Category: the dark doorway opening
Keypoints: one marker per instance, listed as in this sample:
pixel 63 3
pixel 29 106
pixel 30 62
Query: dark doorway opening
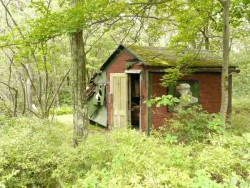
pixel 135 100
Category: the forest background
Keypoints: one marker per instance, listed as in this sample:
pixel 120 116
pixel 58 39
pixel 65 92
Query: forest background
pixel 45 44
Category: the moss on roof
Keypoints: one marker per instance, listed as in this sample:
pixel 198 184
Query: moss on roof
pixel 159 56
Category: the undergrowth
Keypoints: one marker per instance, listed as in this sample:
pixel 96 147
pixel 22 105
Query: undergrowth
pixel 38 153
pixel 191 124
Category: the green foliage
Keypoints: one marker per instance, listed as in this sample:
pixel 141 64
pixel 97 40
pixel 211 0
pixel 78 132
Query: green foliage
pixel 164 100
pixel 30 150
pixel 200 12
pixel 5 110
pixel 241 84
pixel 199 20
pixel 180 70
pixel 203 179
pixel 126 159
pixel 172 76
pixel 64 110
pixel 239 117
pixel 167 100
pixel 64 96
pixel 35 153
pixel 192 124
pixel 69 19
pixel 169 138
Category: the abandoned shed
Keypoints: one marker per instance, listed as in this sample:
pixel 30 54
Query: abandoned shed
pixel 132 74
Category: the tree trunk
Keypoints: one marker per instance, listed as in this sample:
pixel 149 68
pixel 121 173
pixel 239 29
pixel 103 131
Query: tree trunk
pixel 13 98
pixel 225 64
pixel 24 94
pixel 55 86
pixel 207 43
pixel 29 89
pixel 80 118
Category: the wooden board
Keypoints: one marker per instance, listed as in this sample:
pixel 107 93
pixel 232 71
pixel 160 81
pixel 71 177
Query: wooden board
pixel 119 91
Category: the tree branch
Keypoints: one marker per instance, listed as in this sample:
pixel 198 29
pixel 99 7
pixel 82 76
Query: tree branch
pixel 15 23
pixel 14 89
pixel 99 38
pixel 150 3
pixel 49 3
pixel 32 83
pixel 58 89
pixel 6 16
pixel 36 114
pixel 222 2
pixel 149 17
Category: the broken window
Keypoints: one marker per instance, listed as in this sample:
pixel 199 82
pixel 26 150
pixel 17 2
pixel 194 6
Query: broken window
pixel 99 94
pixel 186 89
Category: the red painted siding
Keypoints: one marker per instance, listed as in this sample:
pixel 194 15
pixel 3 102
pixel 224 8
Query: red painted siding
pixel 157 114
pixel 119 67
pixel 209 94
pixel 209 90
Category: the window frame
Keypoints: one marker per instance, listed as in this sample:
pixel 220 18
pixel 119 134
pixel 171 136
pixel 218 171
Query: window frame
pixel 194 88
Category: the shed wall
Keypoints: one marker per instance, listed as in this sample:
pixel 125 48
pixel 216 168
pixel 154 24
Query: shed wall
pixel 209 94
pixel 119 66
pixel 209 90
pixel 98 112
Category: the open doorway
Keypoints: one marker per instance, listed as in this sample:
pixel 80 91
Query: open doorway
pixel 134 102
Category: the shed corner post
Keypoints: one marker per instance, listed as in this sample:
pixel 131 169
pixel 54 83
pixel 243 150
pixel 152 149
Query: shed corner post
pixel 148 89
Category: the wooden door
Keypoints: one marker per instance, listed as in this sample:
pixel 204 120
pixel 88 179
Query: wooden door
pixel 119 91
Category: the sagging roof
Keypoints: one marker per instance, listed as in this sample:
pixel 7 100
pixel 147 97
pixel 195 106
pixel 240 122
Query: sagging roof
pixel 165 57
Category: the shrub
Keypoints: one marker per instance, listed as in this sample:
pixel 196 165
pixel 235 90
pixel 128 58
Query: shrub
pixel 240 123
pixel 30 150
pixel 241 104
pixel 38 153
pixel 226 160
pixel 5 113
pixel 5 109
pixel 191 124
pixel 64 110
pixel 65 97
pixel 125 159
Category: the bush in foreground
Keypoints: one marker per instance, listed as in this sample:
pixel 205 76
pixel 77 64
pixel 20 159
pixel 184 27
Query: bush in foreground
pixel 30 150
pixel 35 153
pixel 191 124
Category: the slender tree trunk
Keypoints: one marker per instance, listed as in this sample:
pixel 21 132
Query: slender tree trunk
pixel 14 114
pixel 207 43
pixel 24 94
pixel 28 87
pixel 46 89
pixel 80 118
pixel 13 98
pixel 55 85
pixel 225 64
pixel 15 95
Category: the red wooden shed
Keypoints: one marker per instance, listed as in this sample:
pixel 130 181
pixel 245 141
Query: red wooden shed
pixel 132 74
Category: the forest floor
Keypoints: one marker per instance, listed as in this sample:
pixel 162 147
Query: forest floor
pixel 241 105
pixel 68 119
